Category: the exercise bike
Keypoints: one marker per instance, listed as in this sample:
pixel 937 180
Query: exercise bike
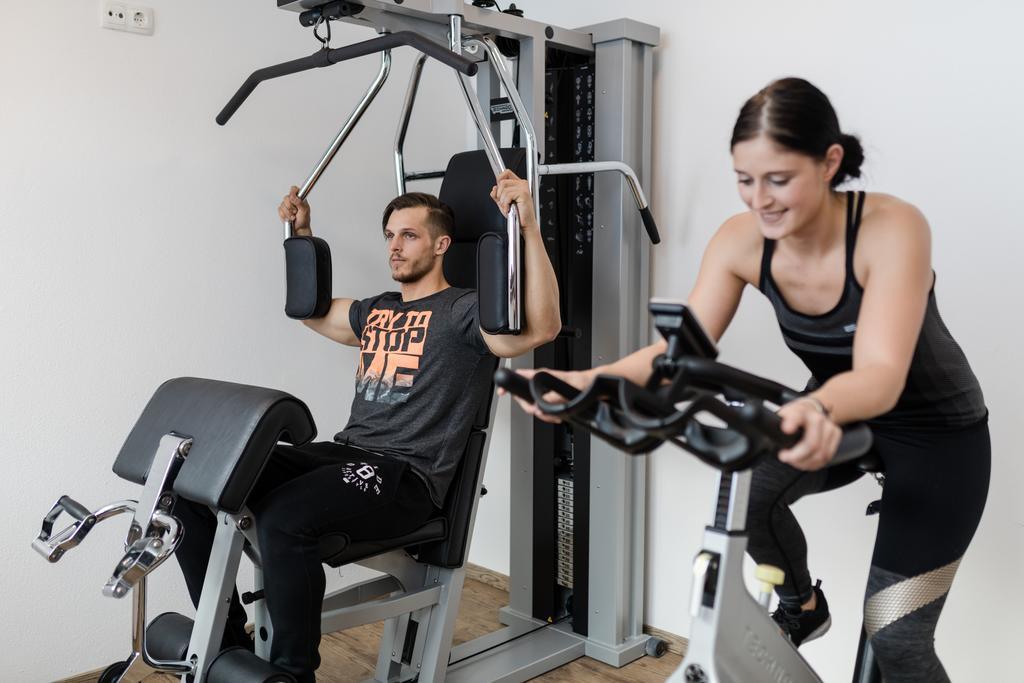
pixel 723 416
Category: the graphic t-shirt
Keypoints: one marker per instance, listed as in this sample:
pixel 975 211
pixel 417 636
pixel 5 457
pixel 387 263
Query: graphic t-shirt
pixel 424 370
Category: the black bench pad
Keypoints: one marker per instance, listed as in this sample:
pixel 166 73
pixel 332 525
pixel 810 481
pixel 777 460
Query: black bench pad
pixel 234 428
pixel 337 550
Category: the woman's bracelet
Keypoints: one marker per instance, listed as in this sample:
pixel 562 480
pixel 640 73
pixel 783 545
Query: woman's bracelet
pixel 818 404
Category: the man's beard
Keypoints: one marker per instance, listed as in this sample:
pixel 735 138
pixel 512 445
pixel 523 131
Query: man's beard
pixel 417 270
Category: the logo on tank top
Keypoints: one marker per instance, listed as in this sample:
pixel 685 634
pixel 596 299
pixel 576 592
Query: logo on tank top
pixel 392 346
pixel 362 476
pixel 852 327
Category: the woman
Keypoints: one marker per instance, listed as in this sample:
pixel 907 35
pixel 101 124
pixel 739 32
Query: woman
pixel 849 276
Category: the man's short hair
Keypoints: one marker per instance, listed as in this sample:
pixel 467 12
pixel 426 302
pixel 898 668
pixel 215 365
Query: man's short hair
pixel 440 217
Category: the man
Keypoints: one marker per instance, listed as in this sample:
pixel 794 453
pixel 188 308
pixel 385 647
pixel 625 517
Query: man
pixel 424 367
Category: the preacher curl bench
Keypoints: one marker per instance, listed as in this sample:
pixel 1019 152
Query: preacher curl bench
pixel 208 441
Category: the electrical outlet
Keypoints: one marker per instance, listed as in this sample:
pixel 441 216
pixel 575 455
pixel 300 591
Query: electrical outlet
pixel 115 15
pixel 140 20
pixel 131 18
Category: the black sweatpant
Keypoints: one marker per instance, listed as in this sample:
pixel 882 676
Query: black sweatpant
pixel 302 495
pixel 936 484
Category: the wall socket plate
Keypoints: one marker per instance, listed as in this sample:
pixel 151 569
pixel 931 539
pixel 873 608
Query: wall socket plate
pixel 122 16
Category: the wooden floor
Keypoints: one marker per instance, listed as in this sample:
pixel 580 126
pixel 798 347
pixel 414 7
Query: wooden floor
pixel 351 656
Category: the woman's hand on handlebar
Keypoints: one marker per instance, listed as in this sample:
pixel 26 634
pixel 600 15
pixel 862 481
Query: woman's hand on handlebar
pixel 296 210
pixel 820 440
pixel 581 380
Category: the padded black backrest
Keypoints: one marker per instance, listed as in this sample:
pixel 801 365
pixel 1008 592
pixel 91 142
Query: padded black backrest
pixel 462 495
pixel 234 428
pixel 466 188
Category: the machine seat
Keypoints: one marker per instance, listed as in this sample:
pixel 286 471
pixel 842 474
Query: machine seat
pixel 337 550
pixel 871 463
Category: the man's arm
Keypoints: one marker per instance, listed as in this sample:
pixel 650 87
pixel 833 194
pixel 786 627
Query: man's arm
pixel 335 325
pixel 543 320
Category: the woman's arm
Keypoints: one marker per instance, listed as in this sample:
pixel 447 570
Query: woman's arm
pixel 714 298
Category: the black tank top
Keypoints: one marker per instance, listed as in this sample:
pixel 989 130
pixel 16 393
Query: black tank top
pixel 941 391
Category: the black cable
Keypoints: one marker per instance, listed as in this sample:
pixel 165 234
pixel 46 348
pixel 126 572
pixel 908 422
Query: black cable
pixel 510 640
pixel 515 125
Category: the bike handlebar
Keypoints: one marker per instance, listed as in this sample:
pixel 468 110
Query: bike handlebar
pixel 637 420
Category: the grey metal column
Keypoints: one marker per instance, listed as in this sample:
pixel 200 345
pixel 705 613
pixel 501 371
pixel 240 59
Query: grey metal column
pixel 624 68
pixel 521 560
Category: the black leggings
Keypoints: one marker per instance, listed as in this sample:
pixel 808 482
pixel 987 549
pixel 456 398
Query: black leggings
pixel 302 495
pixel 936 484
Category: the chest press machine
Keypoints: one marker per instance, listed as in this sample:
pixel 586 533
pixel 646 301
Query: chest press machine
pixel 573 592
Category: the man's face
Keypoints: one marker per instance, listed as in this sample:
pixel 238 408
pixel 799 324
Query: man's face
pixel 411 248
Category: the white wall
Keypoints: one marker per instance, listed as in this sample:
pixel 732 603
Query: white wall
pixel 139 241
pixel 934 91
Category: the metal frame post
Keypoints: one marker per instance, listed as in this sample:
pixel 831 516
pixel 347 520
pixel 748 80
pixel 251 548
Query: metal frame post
pixel 624 69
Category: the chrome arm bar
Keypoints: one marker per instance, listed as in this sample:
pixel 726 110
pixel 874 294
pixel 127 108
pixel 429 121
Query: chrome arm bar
pixel 490 146
pixel 53 547
pixel 364 103
pixel 403 121
pixel 514 272
pixel 597 167
pixel 627 172
pixel 518 108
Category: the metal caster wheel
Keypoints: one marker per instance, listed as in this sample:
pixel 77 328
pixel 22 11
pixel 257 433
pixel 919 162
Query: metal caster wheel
pixel 656 647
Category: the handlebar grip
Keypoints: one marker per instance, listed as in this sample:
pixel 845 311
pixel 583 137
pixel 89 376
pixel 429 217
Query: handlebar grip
pixel 431 49
pixel 514 383
pixel 74 508
pixel 313 61
pixel 771 424
pixel 328 57
pixel 855 442
pixel 551 383
pixel 652 228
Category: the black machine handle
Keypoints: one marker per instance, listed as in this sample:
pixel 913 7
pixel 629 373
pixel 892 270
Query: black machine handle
pixel 323 58
pixel 74 508
pixel 652 228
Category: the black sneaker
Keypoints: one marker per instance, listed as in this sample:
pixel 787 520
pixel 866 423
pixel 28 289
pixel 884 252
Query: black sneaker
pixel 803 626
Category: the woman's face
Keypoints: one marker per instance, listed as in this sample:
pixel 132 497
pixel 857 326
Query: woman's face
pixel 784 189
